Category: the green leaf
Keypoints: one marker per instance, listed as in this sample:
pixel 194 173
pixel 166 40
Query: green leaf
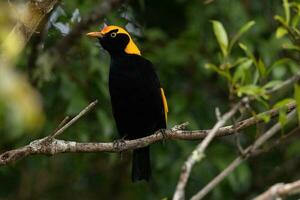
pixel 221 36
pixel 283 103
pixel 280 32
pixel 282 117
pixel 278 63
pixel 218 70
pixel 239 61
pixel 297 98
pixel 261 68
pixel 243 46
pixel 272 84
pixel 240 72
pixel 282 106
pixel 287 12
pixel 252 90
pixel 281 20
pixel 295 20
pixel 290 46
pixel 239 34
pixel 248 53
pixel 265 117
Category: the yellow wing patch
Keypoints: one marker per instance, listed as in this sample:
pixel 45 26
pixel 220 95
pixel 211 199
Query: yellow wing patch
pixel 165 103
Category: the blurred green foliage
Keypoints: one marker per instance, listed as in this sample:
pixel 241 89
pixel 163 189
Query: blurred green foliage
pixel 206 54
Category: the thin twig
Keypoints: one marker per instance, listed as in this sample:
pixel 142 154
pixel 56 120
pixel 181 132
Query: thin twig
pixel 198 154
pixel 61 124
pixel 291 136
pixel 76 118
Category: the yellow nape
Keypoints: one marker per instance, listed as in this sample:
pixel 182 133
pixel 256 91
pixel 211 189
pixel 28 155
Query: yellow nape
pixel 131 47
pixel 165 103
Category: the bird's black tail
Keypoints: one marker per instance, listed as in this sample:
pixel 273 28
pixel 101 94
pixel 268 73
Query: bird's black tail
pixel 141 168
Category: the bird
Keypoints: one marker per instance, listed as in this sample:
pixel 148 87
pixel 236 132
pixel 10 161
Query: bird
pixel 139 104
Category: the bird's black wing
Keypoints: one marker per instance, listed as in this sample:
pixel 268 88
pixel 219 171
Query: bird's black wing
pixel 136 97
pixel 152 85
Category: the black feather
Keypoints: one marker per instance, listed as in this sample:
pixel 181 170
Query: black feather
pixel 141 168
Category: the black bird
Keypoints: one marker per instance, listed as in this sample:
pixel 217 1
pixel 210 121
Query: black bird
pixel 138 102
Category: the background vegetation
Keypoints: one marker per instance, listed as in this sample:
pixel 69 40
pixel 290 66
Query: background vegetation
pixel 199 71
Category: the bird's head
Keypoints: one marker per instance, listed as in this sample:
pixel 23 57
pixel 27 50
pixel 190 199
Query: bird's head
pixel 115 40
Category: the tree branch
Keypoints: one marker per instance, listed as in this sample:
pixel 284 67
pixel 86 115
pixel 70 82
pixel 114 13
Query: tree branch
pixel 280 190
pixel 51 146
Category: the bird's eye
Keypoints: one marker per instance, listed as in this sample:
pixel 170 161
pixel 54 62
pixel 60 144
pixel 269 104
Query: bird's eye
pixel 113 34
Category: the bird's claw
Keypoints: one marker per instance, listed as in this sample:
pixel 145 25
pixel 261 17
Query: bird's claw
pixel 163 132
pixel 119 143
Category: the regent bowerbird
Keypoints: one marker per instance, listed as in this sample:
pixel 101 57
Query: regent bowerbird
pixel 139 105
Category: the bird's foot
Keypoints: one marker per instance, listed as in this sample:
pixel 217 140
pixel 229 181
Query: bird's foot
pixel 119 143
pixel 163 132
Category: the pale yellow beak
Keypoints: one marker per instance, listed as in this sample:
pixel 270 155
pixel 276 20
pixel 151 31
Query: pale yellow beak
pixel 95 34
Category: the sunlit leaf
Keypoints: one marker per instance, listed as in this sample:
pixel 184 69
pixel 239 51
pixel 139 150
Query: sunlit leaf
pixel 272 84
pixel 265 117
pixel 287 12
pixel 244 47
pixel 280 20
pixel 280 32
pixel 252 90
pixel 243 30
pixel 240 72
pixel 283 102
pixel 221 36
